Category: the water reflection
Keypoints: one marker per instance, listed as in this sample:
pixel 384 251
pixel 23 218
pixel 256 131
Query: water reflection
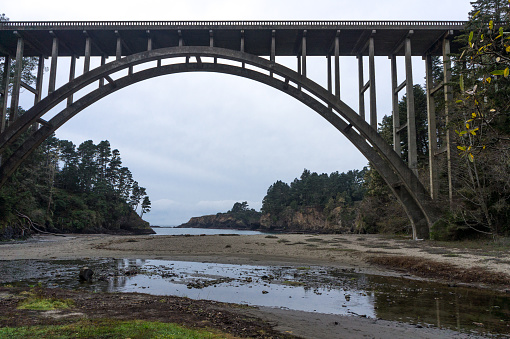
pixel 313 289
pixel 456 308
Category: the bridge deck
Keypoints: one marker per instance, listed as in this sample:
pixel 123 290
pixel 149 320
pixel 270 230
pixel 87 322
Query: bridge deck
pixel 320 36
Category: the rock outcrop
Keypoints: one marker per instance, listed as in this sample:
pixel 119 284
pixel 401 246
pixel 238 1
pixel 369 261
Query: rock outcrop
pixel 221 221
pixel 306 220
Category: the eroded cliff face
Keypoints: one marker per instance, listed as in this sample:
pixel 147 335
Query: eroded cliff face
pixel 309 220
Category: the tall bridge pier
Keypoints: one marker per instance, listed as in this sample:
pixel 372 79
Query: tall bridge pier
pixel 243 48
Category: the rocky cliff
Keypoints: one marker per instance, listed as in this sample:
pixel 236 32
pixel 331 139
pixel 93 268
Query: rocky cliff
pixel 310 220
pixel 221 220
pixel 307 220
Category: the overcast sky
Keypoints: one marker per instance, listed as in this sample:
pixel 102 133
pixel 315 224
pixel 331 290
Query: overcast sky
pixel 200 142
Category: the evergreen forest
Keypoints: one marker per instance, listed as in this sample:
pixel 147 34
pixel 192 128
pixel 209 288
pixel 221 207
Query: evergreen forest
pixel 62 188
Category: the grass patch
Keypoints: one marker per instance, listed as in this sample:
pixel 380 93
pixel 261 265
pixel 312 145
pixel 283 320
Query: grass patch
pixel 45 304
pixel 107 328
pixel 37 302
pixel 302 268
pixel 433 269
pixel 271 236
pixel 451 255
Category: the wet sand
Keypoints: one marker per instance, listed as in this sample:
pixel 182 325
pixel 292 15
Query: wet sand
pixel 328 250
pixel 344 251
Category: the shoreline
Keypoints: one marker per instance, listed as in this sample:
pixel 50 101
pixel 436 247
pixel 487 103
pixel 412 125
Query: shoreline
pixel 334 250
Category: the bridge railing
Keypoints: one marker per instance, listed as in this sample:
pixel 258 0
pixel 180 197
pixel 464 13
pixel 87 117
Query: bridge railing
pixel 141 24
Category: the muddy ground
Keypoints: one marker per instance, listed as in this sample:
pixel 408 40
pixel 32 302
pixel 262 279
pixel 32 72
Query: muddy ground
pixel 238 321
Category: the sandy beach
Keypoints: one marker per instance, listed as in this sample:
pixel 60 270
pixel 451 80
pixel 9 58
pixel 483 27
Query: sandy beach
pixel 330 250
pixel 342 251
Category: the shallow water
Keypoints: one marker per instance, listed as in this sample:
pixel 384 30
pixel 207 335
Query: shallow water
pixel 312 289
pixel 198 231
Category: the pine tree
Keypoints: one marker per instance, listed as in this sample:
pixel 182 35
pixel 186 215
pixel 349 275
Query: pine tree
pixel 487 10
pixel 146 206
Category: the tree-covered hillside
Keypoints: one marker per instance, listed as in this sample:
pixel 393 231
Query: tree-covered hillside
pixel 64 188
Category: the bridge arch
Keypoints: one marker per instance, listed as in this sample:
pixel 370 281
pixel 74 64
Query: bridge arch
pixel 404 184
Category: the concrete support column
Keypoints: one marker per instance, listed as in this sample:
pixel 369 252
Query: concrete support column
pixel 242 46
pixel 330 81
pixel 394 104
pixel 103 61
pixel 5 95
pixel 86 63
pixel 432 130
pixel 371 71
pixel 16 85
pixel 411 114
pixel 118 49
pixel 5 92
pixel 299 68
pixel 53 66
pixel 448 96
pixel 211 43
pixel 337 64
pixel 38 86
pixel 72 72
pixel 149 40
pixel 273 48
pixel 303 52
pixel 39 80
pixel 361 85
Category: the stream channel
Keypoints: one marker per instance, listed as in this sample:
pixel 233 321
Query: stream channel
pixel 311 289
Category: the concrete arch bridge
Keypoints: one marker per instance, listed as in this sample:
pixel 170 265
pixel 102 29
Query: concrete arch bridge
pixel 247 49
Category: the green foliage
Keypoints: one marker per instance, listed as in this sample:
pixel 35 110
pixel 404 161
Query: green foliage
pixel 452 228
pixel 39 303
pixel 481 120
pixel 328 194
pixel 146 206
pixel 72 189
pixel 241 211
pixel 314 190
pixel 109 328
